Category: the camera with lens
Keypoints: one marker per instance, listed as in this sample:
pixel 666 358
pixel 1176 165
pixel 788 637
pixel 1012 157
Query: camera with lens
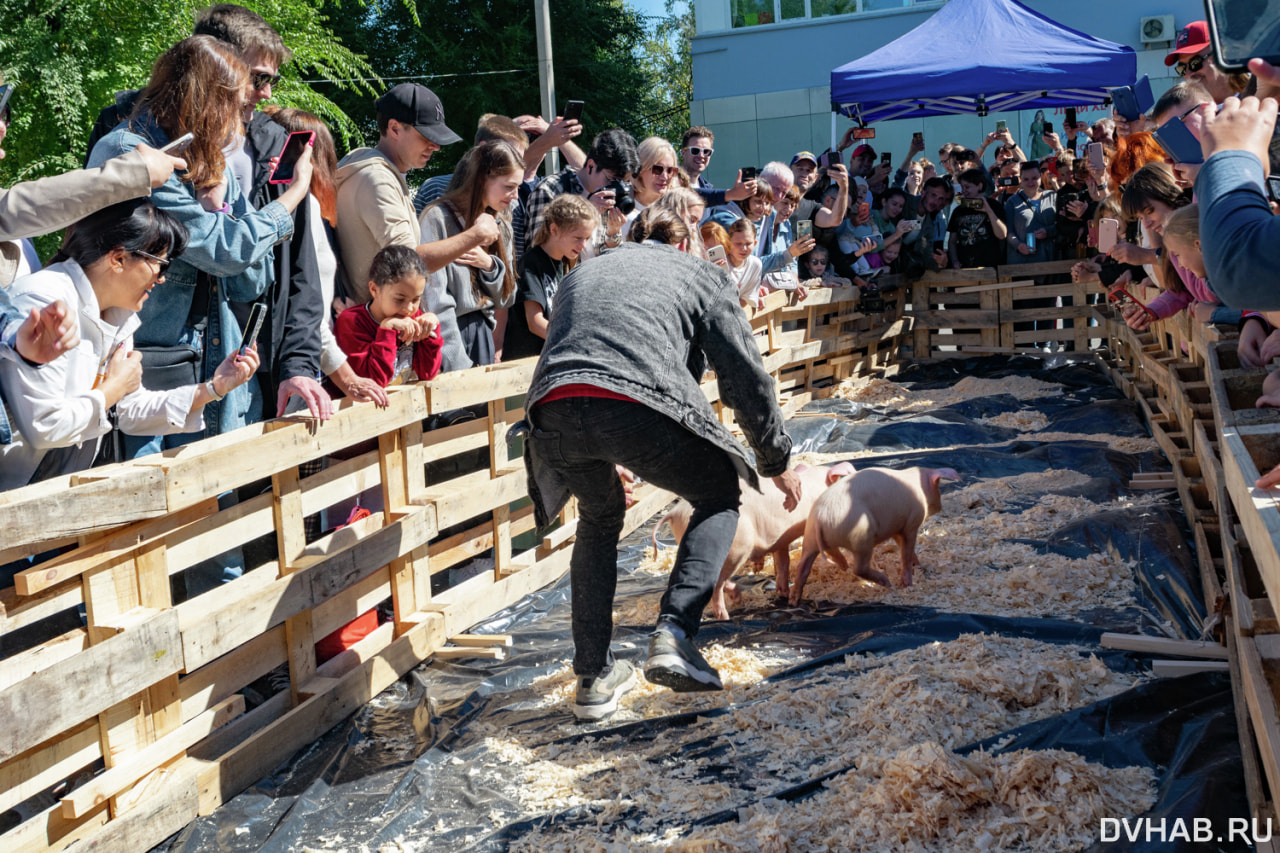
pixel 622 197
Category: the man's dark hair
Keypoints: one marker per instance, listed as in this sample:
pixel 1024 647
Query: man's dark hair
pixel 937 183
pixel 1184 92
pixel 977 177
pixel 967 155
pixel 1029 165
pixel 243 29
pixel 394 263
pixel 615 150
pixel 694 132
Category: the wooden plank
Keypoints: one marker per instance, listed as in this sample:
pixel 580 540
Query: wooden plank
pixel 113 545
pixel 460 388
pixel 1262 708
pixel 221 678
pixel 109 783
pixel 219 532
pixel 41 767
pixel 1179 668
pixel 43 656
pixel 208 468
pixel 481 640
pixel 19 612
pixel 1164 646
pixel 78 505
pixel 464 652
pixel 1257 509
pixel 65 694
pixel 475 494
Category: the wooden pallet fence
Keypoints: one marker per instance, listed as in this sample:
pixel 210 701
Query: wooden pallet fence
pixel 175 691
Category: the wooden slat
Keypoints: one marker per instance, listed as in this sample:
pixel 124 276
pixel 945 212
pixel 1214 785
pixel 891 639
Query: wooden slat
pixel 84 799
pixel 80 504
pixel 65 694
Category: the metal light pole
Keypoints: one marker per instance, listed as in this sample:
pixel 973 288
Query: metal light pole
pixel 546 73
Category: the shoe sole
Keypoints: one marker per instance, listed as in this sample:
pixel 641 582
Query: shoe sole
pixel 671 670
pixel 591 713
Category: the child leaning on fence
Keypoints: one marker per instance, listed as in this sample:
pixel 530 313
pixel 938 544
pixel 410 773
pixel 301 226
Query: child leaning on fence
pixel 389 338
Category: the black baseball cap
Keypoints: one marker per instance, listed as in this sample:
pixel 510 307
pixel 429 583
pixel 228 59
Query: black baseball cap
pixel 415 104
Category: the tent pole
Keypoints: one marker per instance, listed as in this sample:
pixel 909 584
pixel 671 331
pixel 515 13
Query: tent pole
pixel 834 141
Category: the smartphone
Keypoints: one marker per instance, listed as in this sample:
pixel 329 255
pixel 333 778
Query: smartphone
pixel 1097 158
pixel 1031 240
pixel 749 173
pixel 864 209
pixel 717 253
pixel 1048 128
pixel 804 229
pixel 1179 143
pixel 179 145
pixel 6 92
pixel 827 159
pixel 1071 117
pixel 864 133
pixel 1007 182
pixel 1002 126
pixel 1240 30
pixel 918 136
pixel 1108 232
pixel 913 224
pixel 253 325
pixel 1273 188
pixel 289 154
pixel 1132 101
pixel 886 158
pixel 573 110
pixel 971 203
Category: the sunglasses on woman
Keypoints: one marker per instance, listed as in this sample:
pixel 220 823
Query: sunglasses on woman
pixel 1192 65
pixel 658 170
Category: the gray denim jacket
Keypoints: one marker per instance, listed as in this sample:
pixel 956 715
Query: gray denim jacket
pixel 644 321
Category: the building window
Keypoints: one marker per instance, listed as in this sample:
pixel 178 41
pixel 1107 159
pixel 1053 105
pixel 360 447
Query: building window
pixel 751 13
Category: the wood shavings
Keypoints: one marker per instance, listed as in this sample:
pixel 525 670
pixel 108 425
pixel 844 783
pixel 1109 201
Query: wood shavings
pixel 867 711
pixel 1028 420
pixel 885 394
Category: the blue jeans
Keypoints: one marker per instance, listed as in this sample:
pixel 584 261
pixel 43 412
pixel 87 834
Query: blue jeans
pixel 583 438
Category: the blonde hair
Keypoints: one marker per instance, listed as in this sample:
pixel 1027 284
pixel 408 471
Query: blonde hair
pixel 1182 225
pixel 564 212
pixel 650 151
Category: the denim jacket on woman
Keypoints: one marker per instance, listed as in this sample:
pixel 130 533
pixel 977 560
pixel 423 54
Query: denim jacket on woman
pixel 234 248
pixel 644 321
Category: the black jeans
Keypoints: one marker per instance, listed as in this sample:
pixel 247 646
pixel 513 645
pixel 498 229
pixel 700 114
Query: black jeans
pixel 583 438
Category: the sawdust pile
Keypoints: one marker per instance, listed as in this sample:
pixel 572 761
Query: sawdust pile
pixel 895 717
pixel 1122 443
pixel 1027 420
pixel 890 395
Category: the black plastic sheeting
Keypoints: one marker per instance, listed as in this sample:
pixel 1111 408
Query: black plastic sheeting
pixel 412 764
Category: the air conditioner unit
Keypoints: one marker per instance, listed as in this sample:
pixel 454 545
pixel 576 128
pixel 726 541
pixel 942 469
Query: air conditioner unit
pixel 1157 28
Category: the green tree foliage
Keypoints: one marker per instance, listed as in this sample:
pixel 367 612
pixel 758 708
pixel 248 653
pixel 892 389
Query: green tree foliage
pixel 69 58
pixel 667 60
pixel 480 56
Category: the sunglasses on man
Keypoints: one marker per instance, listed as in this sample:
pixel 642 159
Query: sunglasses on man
pixel 263 79
pixel 1192 65
pixel 700 152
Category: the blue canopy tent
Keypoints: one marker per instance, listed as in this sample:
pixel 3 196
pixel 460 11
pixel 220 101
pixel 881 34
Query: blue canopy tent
pixel 980 56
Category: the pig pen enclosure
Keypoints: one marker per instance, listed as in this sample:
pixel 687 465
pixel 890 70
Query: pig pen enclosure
pixel 1086 639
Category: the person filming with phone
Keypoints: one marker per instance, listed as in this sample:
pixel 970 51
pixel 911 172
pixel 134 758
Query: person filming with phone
pixel 105 273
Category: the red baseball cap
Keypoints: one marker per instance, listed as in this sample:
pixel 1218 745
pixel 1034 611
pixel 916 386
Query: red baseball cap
pixel 1192 39
pixel 862 150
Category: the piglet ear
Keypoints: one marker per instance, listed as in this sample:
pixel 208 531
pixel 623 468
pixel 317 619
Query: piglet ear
pixel 942 474
pixel 837 471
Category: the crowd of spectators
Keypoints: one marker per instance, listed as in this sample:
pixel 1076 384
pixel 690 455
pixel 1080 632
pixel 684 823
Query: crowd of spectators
pixel 134 330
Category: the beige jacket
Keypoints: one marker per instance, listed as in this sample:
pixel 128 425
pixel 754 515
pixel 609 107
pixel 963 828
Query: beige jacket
pixel 374 210
pixel 49 204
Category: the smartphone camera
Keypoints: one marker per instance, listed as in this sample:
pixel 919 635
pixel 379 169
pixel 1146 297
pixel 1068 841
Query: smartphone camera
pixel 1273 188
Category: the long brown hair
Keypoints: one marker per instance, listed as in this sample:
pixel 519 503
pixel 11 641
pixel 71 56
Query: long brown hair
pixel 198 86
pixel 564 212
pixel 324 157
pixel 465 197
